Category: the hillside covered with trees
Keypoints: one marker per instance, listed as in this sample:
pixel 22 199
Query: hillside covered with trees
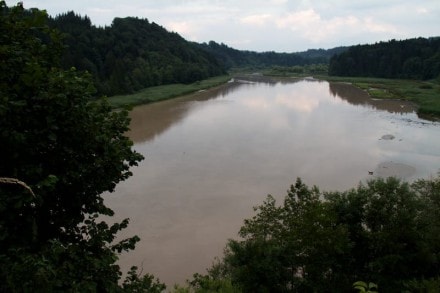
pixel 412 59
pixel 131 54
pixel 231 57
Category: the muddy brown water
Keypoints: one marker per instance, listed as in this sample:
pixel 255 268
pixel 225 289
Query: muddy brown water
pixel 211 156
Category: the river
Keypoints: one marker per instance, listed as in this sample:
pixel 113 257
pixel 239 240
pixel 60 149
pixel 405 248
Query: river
pixel 213 155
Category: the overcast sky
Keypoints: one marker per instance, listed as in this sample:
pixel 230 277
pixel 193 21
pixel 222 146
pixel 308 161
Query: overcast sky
pixel 268 25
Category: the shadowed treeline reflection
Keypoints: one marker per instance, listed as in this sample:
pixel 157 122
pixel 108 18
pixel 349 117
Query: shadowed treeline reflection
pixel 149 121
pixel 358 97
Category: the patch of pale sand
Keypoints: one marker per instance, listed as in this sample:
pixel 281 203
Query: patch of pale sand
pixel 392 169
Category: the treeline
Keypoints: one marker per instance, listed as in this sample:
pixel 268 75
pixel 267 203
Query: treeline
pixel 233 58
pixel 131 54
pixel 413 58
pixel 385 231
pixel 61 151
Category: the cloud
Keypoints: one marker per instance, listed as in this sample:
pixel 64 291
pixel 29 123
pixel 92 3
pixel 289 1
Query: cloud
pixel 258 20
pixel 422 10
pixel 257 103
pixel 371 25
pixel 183 28
pixel 311 26
pixel 298 103
pixel 266 25
pixel 278 2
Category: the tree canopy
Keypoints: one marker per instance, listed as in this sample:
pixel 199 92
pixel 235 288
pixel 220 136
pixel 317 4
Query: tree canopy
pixel 60 151
pixel 413 58
pixel 131 54
pixel 385 231
pixel 231 57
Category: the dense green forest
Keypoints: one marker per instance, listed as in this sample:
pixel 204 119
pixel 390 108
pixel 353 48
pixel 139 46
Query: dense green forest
pixel 231 58
pixel 412 59
pixel 131 54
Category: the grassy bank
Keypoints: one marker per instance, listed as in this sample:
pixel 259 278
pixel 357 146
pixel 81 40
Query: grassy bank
pixel 426 94
pixel 164 92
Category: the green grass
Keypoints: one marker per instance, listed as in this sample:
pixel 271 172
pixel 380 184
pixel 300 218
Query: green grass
pixel 164 92
pixel 426 94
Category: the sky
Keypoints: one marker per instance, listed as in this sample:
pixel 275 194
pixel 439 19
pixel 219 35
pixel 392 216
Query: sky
pixel 268 25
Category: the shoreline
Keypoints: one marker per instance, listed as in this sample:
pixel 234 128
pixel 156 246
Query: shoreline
pixel 424 94
pixel 165 92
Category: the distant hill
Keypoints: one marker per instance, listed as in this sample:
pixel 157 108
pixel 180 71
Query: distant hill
pixel 231 57
pixel 132 54
pixel 322 54
pixel 413 58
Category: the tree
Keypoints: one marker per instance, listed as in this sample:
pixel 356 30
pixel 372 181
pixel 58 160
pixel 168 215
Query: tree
pixel 386 231
pixel 412 58
pixel 117 55
pixel 66 149
pixel 294 247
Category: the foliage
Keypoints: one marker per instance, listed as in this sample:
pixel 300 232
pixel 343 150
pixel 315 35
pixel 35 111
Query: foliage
pixel 233 58
pixel 364 287
pixel 66 150
pixel 310 69
pixel 384 230
pixel 413 58
pixel 164 92
pixel 141 283
pixel 422 93
pixel 207 284
pixel 131 54
pixel 296 246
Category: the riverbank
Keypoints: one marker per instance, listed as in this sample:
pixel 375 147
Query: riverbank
pixel 425 94
pixel 165 92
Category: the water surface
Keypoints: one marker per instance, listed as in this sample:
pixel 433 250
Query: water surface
pixel 210 157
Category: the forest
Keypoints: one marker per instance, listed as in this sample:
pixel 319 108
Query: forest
pixel 132 54
pixel 233 58
pixel 417 58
